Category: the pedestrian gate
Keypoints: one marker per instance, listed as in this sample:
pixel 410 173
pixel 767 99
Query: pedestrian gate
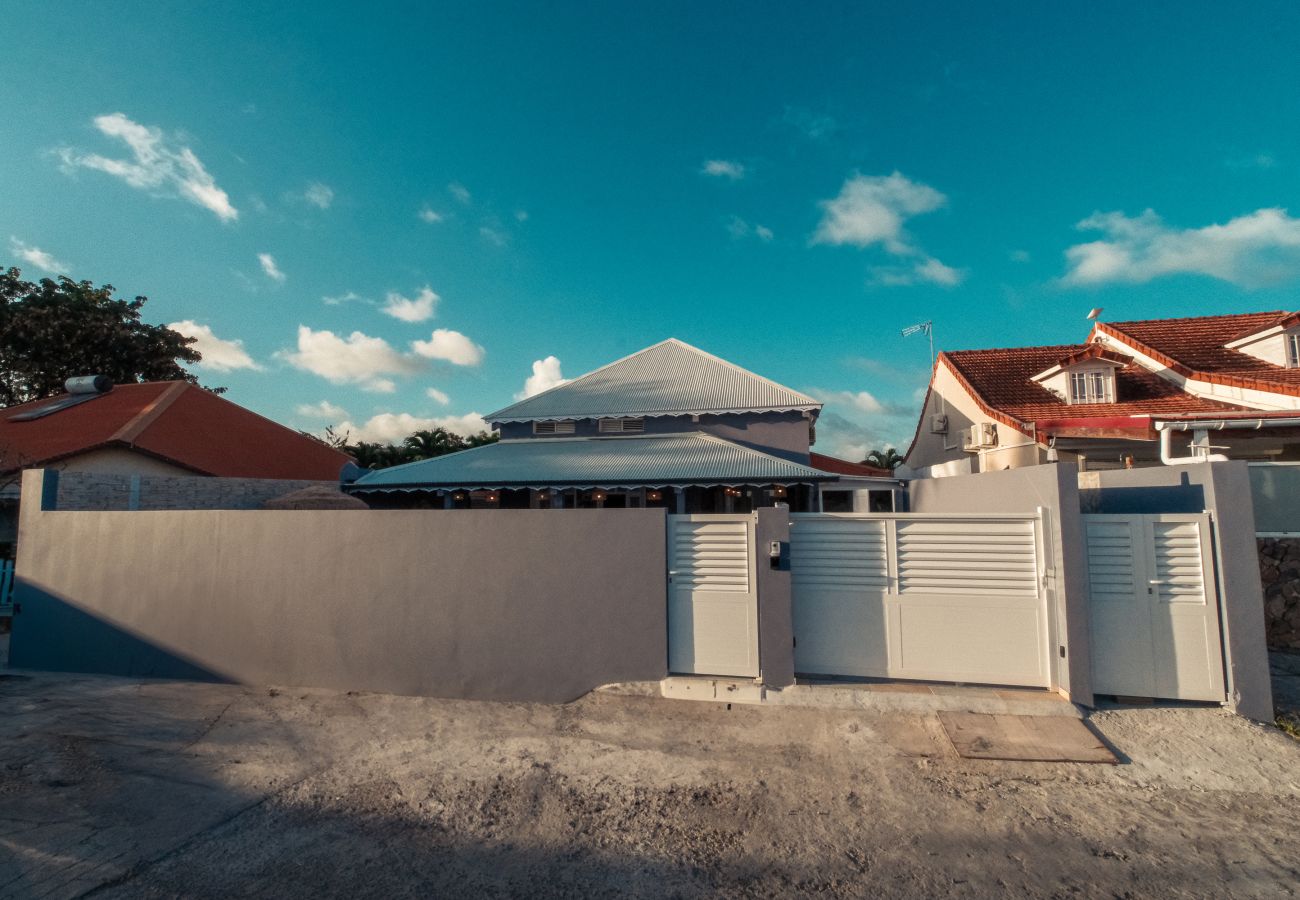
pixel 1153 606
pixel 712 595
pixel 942 598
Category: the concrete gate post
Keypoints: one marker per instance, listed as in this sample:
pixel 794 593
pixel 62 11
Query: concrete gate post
pixel 775 620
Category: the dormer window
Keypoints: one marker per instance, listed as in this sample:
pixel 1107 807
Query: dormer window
pixel 1091 387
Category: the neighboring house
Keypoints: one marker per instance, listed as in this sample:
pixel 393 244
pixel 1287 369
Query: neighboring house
pixel 1135 393
pixel 155 428
pixel 670 426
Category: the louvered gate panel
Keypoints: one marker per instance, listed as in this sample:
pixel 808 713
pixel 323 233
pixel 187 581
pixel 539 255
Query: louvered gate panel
pixel 1177 557
pixel 711 556
pixel 712 601
pixel 989 558
pixel 840 553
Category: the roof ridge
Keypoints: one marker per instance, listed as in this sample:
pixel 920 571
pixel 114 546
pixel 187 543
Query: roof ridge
pixel 493 416
pixel 1262 312
pixel 147 416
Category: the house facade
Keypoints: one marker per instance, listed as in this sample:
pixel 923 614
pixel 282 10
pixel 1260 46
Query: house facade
pixel 1133 394
pixel 669 426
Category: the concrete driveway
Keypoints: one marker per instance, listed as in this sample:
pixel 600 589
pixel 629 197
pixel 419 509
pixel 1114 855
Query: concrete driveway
pixel 116 788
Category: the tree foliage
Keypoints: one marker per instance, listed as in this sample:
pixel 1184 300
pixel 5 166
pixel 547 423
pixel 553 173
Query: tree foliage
pixel 415 447
pixel 888 458
pixel 53 330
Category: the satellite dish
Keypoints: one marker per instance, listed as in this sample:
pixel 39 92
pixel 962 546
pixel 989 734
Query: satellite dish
pixel 1095 314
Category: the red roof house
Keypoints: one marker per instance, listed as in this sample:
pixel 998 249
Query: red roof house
pixel 1104 402
pixel 168 427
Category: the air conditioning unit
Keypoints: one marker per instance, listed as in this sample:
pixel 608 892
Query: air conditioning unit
pixel 980 436
pixel 938 424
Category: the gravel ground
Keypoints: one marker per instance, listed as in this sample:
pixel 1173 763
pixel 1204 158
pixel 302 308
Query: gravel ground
pixel 117 788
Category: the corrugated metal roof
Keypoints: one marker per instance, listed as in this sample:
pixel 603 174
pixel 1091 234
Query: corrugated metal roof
pixel 670 378
pixel 643 461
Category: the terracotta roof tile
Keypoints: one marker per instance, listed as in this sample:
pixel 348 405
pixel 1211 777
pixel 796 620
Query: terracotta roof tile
pixel 844 467
pixel 1196 345
pixel 1002 379
pixel 174 421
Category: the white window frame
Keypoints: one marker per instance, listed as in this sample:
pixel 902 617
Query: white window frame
pixel 1293 350
pixel 1091 386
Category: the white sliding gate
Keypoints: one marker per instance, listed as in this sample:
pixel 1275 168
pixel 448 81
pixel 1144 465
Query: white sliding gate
pixel 940 598
pixel 1153 606
pixel 712 595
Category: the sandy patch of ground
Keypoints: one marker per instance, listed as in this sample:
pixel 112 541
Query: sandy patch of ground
pixel 117 788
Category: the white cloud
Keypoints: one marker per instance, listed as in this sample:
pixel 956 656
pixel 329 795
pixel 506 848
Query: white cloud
pixel 159 163
pixel 429 215
pixel 272 271
pixel 388 428
pixel 872 209
pixel 419 309
pixel 324 411
pixel 357 359
pixel 37 257
pixel 723 168
pixel 492 236
pixel 435 394
pixel 546 375
pixel 928 269
pixel 1255 249
pixel 318 194
pixel 460 192
pixel 863 401
pixel 219 355
pixel 451 346
pixel 340 299
pixel 739 229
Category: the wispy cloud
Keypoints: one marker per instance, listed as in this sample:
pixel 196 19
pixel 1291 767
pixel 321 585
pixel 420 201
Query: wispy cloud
pixel 388 428
pixel 723 168
pixel 429 215
pixel 437 395
pixel 319 195
pixel 219 354
pixel 546 375
pixel 812 125
pixel 740 229
pixel 159 162
pixel 417 309
pixel 493 236
pixel 1256 249
pixel 460 193
pixel 35 256
pixel 269 268
pixel 323 411
pixel 357 359
pixel 872 210
pixel 449 346
pixel 340 299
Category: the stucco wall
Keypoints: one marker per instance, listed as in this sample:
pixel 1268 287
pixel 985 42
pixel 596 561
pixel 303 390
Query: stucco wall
pixel 121 460
pixel 496 604
pixel 1053 488
pixel 947 397
pixel 1279 574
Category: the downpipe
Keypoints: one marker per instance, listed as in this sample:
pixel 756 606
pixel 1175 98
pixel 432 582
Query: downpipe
pixel 1167 429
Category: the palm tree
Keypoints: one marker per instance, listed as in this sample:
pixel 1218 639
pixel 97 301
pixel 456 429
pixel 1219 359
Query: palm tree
pixel 436 442
pixel 889 458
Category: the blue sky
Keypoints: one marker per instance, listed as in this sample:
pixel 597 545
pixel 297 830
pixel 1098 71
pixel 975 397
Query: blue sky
pixel 402 213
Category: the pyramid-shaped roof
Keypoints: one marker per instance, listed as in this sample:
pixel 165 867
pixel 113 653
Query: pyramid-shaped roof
pixel 671 378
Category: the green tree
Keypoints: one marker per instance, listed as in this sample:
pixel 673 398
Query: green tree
pixel 436 442
pixel 889 458
pixel 414 447
pixel 52 330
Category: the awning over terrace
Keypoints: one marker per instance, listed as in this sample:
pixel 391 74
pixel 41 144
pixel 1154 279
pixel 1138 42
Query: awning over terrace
pixel 594 462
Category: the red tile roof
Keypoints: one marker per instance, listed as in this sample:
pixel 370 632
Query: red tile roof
pixel 844 467
pixel 1002 381
pixel 174 421
pixel 1195 347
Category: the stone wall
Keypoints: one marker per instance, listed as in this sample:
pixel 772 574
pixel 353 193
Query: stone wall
pixel 1279 571
pixel 105 492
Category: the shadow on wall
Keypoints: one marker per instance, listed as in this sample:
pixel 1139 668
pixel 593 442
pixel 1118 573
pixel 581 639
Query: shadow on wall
pixel 53 633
